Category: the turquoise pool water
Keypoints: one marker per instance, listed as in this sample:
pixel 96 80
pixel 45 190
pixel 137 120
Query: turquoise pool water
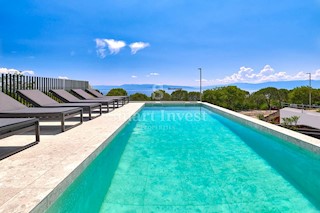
pixel 190 159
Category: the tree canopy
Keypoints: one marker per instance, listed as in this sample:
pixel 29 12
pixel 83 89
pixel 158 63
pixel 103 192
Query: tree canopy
pixel 193 96
pixel 139 97
pixel 268 94
pixel 117 92
pixel 160 95
pixel 230 97
pixel 300 95
pixel 179 95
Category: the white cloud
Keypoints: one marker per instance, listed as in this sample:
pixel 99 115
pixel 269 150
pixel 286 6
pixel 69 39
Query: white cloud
pixel 266 74
pixel 136 46
pixel 114 46
pixel 14 71
pixel 27 72
pixel 100 43
pixel 63 77
pixel 267 69
pixel 316 74
pixel 154 73
pixel 9 71
pixel 134 76
pixel 100 46
pixel 101 53
pixel 203 80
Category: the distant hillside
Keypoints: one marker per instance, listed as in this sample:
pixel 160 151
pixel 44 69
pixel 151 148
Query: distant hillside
pixel 279 85
pixel 149 88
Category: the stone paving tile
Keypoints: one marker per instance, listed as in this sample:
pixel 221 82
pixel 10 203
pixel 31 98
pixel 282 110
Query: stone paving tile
pixel 28 177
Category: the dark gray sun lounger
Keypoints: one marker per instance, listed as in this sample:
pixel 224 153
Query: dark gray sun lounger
pixel 12 126
pixel 86 96
pixel 97 94
pixel 69 98
pixel 11 108
pixel 39 99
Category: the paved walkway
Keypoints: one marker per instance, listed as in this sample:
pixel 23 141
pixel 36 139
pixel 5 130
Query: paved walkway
pixel 26 178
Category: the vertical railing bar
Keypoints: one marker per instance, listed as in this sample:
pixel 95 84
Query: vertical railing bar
pixel 14 86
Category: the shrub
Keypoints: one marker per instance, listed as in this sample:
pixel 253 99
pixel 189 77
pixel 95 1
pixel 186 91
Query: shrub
pixel 260 116
pixel 295 119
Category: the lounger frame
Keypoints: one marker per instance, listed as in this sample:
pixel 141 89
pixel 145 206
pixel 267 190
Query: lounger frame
pixel 88 108
pixel 17 128
pixel 61 116
pixel 98 95
pixel 60 96
pixel 81 94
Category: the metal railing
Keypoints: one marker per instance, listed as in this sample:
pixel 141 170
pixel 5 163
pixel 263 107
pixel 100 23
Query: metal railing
pixel 11 83
pixel 300 106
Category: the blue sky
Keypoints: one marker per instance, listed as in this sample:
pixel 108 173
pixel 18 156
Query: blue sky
pixel 232 40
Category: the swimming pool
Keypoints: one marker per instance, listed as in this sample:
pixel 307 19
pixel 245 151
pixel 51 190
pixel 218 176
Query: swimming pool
pixel 189 159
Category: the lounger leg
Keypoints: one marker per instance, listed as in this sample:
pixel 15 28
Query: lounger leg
pixel 113 103
pixel 90 113
pixel 37 131
pixel 81 116
pixel 100 109
pixel 62 123
pixel 107 107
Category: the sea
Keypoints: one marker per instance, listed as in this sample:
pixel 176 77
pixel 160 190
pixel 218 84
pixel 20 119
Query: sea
pixel 148 89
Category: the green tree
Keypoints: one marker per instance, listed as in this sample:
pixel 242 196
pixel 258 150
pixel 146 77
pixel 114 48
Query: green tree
pixel 117 92
pixel 139 97
pixel 282 96
pixel 193 96
pixel 300 95
pixel 257 101
pixel 270 95
pixel 230 97
pixel 211 96
pixel 160 95
pixel 179 95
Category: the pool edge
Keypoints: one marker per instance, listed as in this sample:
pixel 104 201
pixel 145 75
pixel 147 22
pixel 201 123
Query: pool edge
pixel 301 140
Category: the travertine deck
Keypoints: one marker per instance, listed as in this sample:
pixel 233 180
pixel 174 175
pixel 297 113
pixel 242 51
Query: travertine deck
pixel 26 178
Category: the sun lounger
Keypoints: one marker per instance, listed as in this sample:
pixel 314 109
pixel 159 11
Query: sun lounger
pixel 12 126
pixel 69 98
pixel 86 96
pixel 39 99
pixel 11 108
pixel 97 94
